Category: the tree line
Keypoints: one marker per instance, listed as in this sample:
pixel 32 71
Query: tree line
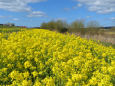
pixel 92 27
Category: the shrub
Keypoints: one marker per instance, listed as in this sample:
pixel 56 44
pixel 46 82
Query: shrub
pixel 58 25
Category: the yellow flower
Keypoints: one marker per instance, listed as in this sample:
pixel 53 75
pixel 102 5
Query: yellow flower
pixel 4 69
pixel 26 74
pixel 35 54
pixel 37 83
pixel 27 64
pixel 69 83
pixel 16 75
pixel 49 81
pixel 77 77
pixel 35 73
pixel 104 54
pixel 26 83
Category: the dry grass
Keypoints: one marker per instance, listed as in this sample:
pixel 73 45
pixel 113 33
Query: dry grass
pixel 107 36
pixel 102 38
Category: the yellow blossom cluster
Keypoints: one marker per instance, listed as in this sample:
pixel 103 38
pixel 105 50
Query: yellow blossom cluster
pixel 39 57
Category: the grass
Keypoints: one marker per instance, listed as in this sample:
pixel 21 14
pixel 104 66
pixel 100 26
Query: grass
pixel 108 44
pixel 10 30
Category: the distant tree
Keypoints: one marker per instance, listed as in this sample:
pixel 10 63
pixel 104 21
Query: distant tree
pixel 9 24
pixel 93 28
pixel 77 26
pixel 93 24
pixel 51 25
pixel 1 24
pixel 44 26
pixel 59 25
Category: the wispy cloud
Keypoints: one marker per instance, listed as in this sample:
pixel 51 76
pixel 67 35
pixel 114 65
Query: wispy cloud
pixel 15 19
pixel 74 7
pixel 67 9
pixel 112 19
pixel 17 5
pixel 99 6
pixel 37 14
pixel 77 6
pixel 88 16
pixel 63 19
pixel 1 16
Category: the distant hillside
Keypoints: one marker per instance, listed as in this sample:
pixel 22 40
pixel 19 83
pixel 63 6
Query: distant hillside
pixel 108 27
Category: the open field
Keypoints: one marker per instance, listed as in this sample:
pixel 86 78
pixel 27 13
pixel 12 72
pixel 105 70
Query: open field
pixel 38 57
pixel 110 32
pixel 101 38
pixel 105 36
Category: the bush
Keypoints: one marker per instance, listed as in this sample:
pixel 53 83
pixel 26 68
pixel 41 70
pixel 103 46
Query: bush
pixel 77 26
pixel 58 25
pixel 62 30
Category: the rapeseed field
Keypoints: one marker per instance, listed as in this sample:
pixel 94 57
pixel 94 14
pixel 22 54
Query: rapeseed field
pixel 40 57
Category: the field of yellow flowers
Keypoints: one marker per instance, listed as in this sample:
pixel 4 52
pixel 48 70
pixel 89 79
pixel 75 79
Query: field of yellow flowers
pixel 45 58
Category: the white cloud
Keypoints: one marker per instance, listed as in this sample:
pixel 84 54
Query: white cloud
pixel 63 19
pixel 112 19
pixel 1 16
pixel 37 14
pixel 79 5
pixel 74 7
pixel 15 19
pixel 99 6
pixel 67 9
pixel 88 16
pixel 17 5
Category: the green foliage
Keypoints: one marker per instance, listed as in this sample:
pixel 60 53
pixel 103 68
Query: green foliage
pixel 10 30
pixel 108 44
pixel 77 26
pixel 58 25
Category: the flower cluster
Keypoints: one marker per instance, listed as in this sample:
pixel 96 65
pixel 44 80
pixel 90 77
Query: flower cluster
pixel 45 58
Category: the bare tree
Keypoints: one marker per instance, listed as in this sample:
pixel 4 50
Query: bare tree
pixel 93 24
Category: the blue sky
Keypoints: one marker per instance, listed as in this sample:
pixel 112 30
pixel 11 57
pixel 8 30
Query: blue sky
pixel 33 12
